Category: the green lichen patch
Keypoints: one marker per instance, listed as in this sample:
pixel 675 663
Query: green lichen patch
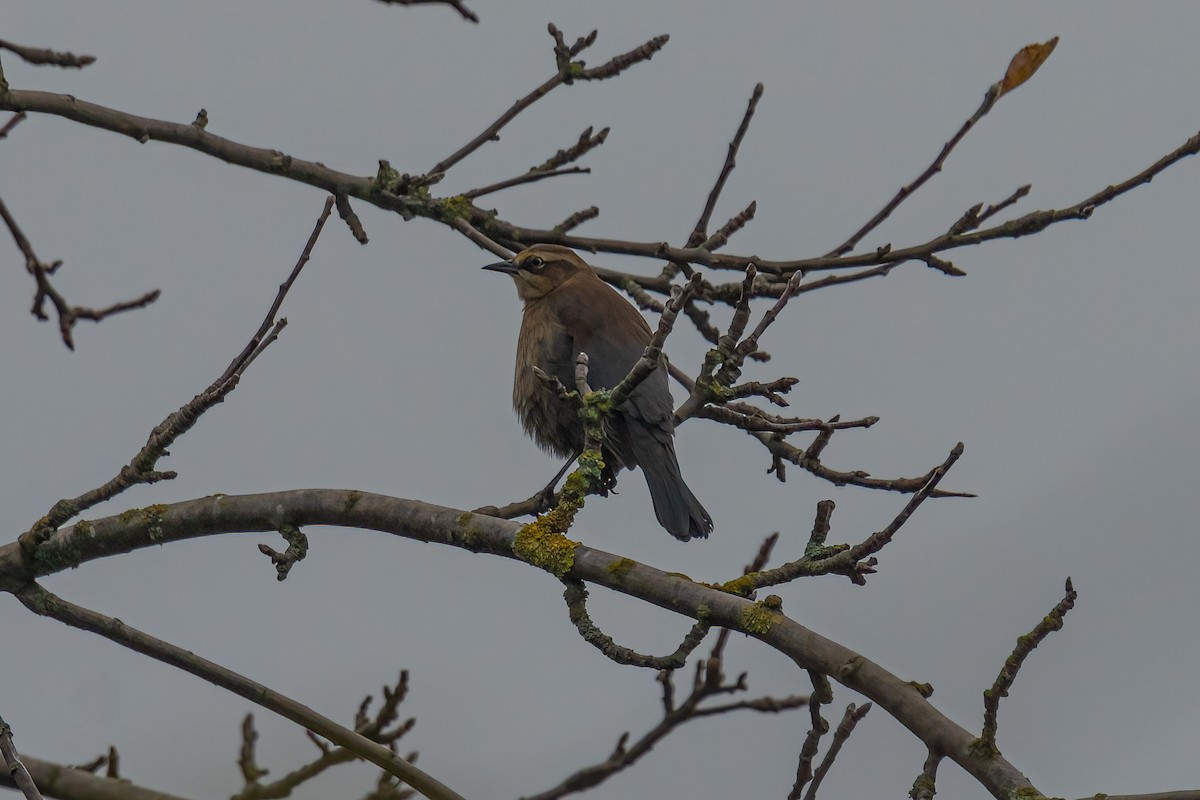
pixel 468 531
pixel 153 518
pixel 588 472
pixel 150 518
pixel 742 587
pixel 456 207
pixel 546 549
pixel 621 567
pixel 352 499
pixel 385 179
pixel 758 618
pixel 986 750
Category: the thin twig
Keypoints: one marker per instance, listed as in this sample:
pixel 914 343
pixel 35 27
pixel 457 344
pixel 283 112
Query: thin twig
pixel 491 132
pixel 850 719
pixel 13 121
pixel 822 695
pixel 380 728
pixel 709 681
pixel 925 786
pixel 46 604
pixel 577 219
pixel 700 232
pixel 587 142
pixel 16 769
pixel 699 236
pixel 142 467
pixel 68 314
pixel 1012 665
pixel 457 5
pixel 528 177
pixel 45 56
pixel 652 355
pixel 576 597
pixel 989 101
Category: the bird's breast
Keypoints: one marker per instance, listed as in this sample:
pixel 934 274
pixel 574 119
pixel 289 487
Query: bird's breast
pixel 545 343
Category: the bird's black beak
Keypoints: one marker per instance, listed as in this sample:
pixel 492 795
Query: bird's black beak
pixel 507 267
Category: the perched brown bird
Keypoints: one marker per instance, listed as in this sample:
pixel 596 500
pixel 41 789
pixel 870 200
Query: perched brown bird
pixel 569 310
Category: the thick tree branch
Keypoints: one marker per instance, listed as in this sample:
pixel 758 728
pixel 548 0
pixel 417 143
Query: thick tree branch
pixel 74 783
pixel 159 525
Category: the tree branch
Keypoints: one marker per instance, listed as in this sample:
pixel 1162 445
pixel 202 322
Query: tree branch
pixel 429 523
pixel 46 604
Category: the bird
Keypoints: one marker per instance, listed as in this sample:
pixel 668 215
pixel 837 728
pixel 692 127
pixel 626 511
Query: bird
pixel 569 310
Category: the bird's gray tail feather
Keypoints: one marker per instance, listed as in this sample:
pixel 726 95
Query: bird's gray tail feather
pixel 676 507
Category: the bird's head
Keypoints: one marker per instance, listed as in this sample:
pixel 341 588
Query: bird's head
pixel 541 269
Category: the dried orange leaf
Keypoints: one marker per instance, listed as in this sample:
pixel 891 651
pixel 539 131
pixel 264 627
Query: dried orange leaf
pixel 1025 63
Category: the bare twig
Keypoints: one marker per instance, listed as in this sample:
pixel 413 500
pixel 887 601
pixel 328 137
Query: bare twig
pixel 576 597
pixel 351 219
pixel 469 230
pixel 699 236
pixel 587 142
pixel 822 695
pixel 925 786
pixel 297 549
pixel 735 223
pixel 840 734
pixel 842 560
pixel 13 122
pixel 457 5
pixel 45 56
pixel 12 762
pixel 1012 665
pixel 700 232
pixel 994 93
pixel 380 729
pixel 68 314
pixel 577 219
pixel 142 467
pixel 528 177
pixel 762 422
pixel 247 760
pixel 615 66
pixel 568 71
pixel 46 604
pixel 709 681
pixel 652 355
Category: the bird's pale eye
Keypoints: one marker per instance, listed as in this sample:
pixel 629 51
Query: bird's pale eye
pixel 534 263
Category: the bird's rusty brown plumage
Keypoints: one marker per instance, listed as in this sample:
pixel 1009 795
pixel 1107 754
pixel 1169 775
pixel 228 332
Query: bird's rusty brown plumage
pixel 569 310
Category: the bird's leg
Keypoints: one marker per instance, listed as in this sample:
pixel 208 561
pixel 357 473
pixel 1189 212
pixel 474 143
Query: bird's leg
pixel 546 496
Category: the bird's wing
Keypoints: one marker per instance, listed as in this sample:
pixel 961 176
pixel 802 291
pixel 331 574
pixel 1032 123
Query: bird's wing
pixel 614 335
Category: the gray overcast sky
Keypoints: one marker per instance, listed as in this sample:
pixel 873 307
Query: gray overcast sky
pixel 1065 362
